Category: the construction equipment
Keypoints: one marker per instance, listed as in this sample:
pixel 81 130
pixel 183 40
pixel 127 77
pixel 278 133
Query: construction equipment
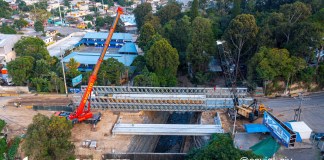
pixel 253 111
pixel 82 113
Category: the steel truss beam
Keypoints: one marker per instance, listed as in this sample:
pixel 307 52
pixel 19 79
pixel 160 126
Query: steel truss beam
pixel 209 92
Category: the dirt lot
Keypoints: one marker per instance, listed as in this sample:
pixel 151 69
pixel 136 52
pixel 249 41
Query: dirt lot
pixel 18 120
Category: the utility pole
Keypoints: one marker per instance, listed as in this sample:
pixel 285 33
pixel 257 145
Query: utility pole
pixel 60 12
pixel 66 92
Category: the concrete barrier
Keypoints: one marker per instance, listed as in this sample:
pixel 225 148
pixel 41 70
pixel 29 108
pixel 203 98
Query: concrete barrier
pixel 14 89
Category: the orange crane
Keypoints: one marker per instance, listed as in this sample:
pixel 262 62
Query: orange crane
pixel 81 113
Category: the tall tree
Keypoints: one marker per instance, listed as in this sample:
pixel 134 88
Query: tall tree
pixel 147 79
pixel 237 7
pixel 163 60
pixel 49 138
pixel 140 12
pixel 201 45
pixel 146 33
pixel 110 72
pixel 241 30
pixel 181 35
pixel 194 9
pixel 31 46
pixel 293 13
pixel 168 12
pixel 39 27
pixel 154 21
pixel 20 69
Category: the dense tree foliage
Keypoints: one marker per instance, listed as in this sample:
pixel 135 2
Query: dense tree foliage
pixel 163 60
pixel 5 10
pixel 140 12
pixel 21 69
pixel 7 30
pixel 49 138
pixel 147 32
pixel 39 26
pixel 111 71
pixel 20 23
pixel 220 147
pixel 40 14
pixel 201 46
pixel 168 12
pixel 31 46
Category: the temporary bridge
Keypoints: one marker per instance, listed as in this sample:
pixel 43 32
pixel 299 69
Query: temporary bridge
pixel 129 98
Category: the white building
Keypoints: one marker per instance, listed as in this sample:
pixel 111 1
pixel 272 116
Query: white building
pixel 47 40
pixel 30 2
pixel 7 52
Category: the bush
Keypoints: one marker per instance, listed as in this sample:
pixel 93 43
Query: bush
pixel 12 151
pixel 2 124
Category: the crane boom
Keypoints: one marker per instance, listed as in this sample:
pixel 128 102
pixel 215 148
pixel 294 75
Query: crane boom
pixel 80 114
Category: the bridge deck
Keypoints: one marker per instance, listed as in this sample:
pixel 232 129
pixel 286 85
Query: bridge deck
pixel 166 129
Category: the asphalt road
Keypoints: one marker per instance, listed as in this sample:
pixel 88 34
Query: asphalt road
pixel 312 110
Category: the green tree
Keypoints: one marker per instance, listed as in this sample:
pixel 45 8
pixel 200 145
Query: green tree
pixel 220 147
pixel 22 5
pixel 3 148
pixel 40 14
pixel 146 33
pixel 89 26
pixel 163 60
pixel 293 13
pixel 241 30
pixel 20 23
pixel 100 22
pixel 154 21
pixel 66 3
pixel 49 138
pixel 72 70
pixel 147 79
pixel 271 64
pixel 201 45
pixel 181 34
pixel 39 27
pixel 13 149
pixel 168 12
pixel 20 69
pixel 88 18
pixel 42 68
pixel 140 12
pixel 32 46
pixel 5 10
pixel 110 72
pixel 194 9
pixel 168 29
pixel 237 7
pixel 7 30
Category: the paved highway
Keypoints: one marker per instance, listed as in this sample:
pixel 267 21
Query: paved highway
pixel 312 110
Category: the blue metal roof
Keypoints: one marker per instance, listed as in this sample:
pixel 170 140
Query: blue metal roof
pixel 103 35
pixel 128 48
pixel 255 128
pixel 92 58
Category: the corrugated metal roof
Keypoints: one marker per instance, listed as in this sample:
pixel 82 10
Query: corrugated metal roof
pixel 128 48
pixel 92 58
pixel 103 35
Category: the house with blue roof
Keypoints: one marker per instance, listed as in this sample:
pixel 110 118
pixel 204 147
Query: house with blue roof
pixel 98 39
pixel 88 60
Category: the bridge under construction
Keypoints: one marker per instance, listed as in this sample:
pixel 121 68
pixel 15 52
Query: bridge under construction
pixel 129 98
